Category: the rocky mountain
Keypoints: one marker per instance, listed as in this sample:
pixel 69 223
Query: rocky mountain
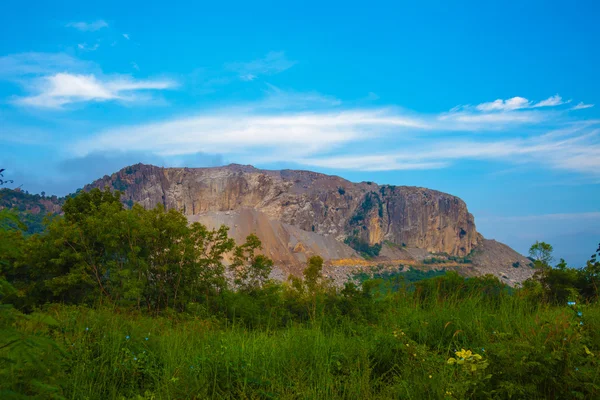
pixel 300 213
pixel 327 205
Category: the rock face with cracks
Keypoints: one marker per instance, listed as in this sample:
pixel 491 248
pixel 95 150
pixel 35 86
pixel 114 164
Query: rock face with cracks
pixel 300 213
pixel 327 205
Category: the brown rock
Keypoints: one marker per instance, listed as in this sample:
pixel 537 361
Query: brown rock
pixel 313 202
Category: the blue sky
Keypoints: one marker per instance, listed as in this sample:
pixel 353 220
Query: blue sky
pixel 495 102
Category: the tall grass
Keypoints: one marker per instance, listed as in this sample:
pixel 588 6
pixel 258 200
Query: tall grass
pixel 531 351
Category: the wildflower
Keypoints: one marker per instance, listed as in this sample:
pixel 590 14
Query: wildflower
pixel 482 349
pixel 146 338
pixel 576 369
pixel 87 329
pixel 134 358
pixel 579 313
pixel 127 337
pixel 580 322
pixel 464 353
pixel 406 344
pixel 571 303
pixel 430 377
pixel 414 354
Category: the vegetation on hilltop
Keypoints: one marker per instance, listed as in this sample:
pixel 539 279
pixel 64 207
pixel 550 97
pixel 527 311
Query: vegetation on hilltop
pixel 31 208
pixel 110 302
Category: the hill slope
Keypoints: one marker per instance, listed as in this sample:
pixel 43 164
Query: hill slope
pixel 328 205
pixel 300 213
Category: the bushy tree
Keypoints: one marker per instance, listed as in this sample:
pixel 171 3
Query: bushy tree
pixel 251 270
pixel 541 252
pixel 152 259
pixel 591 277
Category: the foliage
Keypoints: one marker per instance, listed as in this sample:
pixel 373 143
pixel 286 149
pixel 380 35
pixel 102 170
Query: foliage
pixel 111 302
pixel 363 247
pixel 541 254
pixel 560 284
pixel 31 209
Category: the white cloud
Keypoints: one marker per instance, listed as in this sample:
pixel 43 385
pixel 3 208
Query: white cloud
pixel 276 129
pixel 581 105
pixel 55 80
pixel 17 66
pixel 552 101
pixel 370 163
pixel 468 120
pixel 126 36
pixel 518 103
pixel 60 89
pixel 248 129
pixel 88 26
pixel 273 63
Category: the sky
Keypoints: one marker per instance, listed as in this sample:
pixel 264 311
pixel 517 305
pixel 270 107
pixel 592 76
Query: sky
pixel 495 102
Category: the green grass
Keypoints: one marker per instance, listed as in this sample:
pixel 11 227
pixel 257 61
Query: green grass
pixel 104 353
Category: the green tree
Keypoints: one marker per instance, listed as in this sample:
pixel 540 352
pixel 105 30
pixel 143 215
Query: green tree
pixel 541 252
pixel 251 271
pixel 591 276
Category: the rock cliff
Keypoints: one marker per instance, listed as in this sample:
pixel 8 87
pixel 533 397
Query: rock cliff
pixel 364 213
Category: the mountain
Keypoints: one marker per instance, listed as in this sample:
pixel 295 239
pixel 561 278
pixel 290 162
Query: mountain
pixel 32 208
pixel 300 213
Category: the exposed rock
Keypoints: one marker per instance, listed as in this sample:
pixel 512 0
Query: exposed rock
pixel 492 257
pixel 297 214
pixel 285 244
pixel 313 202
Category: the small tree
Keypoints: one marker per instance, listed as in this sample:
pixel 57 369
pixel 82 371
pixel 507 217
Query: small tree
pixel 591 276
pixel 541 252
pixel 251 271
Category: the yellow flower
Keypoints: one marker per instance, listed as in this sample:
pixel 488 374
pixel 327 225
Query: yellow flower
pixel 464 353
pixel 430 377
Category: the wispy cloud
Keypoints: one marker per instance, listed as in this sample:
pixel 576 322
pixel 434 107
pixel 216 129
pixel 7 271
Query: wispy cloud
pixel 88 26
pixel 518 103
pixel 581 105
pixel 60 89
pixel 286 135
pixel 56 80
pixel 126 36
pixel 368 139
pixel 273 63
pixel 23 65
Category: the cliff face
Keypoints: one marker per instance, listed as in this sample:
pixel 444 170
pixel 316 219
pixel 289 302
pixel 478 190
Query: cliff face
pixel 327 205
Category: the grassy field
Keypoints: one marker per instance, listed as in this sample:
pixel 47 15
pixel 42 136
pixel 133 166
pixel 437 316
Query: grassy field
pixel 402 350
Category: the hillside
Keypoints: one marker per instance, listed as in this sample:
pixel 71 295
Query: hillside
pixel 300 213
pixel 32 208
